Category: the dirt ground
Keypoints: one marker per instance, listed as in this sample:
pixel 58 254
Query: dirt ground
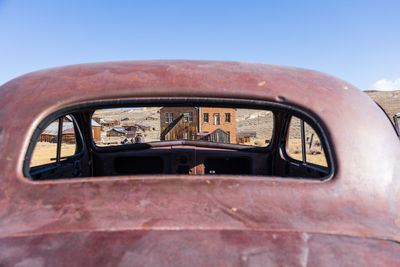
pixel 44 152
pixel 314 155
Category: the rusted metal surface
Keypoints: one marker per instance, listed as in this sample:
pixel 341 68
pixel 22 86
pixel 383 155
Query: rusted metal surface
pixel 202 217
pixel 197 248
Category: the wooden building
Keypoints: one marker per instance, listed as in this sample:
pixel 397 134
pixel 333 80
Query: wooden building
pixel 219 136
pixel 133 126
pixel 96 130
pixel 116 131
pixel 245 137
pixel 179 123
pixel 110 123
pixel 50 134
pixel 68 133
pixel 193 123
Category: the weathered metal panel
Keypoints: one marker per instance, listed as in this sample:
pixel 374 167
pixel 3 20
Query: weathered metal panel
pixel 362 199
pixel 196 248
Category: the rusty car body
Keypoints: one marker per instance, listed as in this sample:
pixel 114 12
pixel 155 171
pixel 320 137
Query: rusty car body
pixel 350 217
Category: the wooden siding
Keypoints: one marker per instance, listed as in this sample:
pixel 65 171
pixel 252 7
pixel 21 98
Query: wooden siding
pixel 96 133
pixel 184 129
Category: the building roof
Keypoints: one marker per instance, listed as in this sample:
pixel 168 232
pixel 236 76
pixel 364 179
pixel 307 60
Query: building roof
pixel 69 131
pixel 95 124
pixel 52 129
pixel 118 129
pixel 246 133
pixel 134 124
pixel 68 127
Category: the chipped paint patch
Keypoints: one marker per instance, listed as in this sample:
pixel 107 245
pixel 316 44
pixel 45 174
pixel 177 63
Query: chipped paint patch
pixel 305 237
pixel 280 98
pixel 305 250
pixel 304 256
pixel 234 209
pixel 262 83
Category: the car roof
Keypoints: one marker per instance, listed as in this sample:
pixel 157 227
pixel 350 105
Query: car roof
pixel 366 183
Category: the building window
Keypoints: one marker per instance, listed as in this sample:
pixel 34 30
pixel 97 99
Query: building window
pixel 227 117
pixel 205 117
pixel 188 116
pixel 166 118
pixel 216 119
pixel 171 117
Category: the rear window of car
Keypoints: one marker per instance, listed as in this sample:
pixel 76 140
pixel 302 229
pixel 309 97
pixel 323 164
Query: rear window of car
pixel 228 139
pixel 122 126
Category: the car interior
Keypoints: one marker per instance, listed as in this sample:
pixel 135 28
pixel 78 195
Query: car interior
pixel 186 137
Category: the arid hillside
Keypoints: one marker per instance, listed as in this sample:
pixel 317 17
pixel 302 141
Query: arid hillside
pixel 388 100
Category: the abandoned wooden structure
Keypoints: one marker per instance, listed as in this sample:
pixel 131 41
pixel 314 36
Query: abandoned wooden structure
pixel 198 123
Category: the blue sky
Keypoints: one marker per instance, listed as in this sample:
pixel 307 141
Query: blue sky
pixel 358 41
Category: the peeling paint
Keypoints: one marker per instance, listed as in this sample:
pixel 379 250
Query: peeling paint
pixel 262 83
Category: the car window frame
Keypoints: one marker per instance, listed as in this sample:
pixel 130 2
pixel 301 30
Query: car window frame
pixel 301 112
pixel 79 147
pixel 287 156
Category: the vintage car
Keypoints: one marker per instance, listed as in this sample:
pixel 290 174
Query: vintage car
pixel 200 163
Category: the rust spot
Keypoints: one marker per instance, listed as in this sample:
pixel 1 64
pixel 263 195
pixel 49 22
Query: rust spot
pixel 150 223
pixel 262 83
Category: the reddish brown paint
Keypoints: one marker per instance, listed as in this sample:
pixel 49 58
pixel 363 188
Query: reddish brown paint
pixel 174 219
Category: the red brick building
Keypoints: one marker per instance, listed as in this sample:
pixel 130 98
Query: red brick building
pixel 212 119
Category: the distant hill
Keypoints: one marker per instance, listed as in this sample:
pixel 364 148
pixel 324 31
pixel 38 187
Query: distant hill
pixel 388 100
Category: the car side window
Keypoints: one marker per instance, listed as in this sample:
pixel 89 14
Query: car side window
pixel 304 144
pixel 45 150
pixel 54 146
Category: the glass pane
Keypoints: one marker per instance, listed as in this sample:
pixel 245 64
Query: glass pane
pixel 205 117
pixel 45 150
pixel 216 119
pixel 294 148
pixel 314 149
pixel 121 126
pixel 254 127
pixel 68 143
